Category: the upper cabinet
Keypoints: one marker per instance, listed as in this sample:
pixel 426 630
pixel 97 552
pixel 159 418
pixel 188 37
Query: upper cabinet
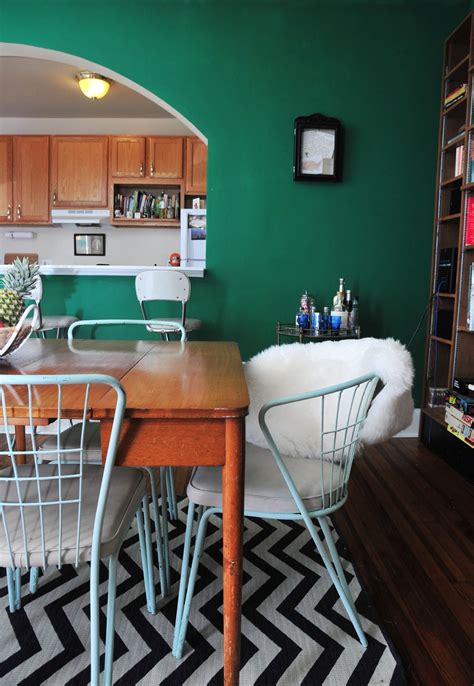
pixel 24 179
pixel 79 171
pixel 196 166
pixel 127 156
pixel 165 157
pixel 154 157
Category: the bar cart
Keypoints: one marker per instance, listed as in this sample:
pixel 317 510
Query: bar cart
pixel 292 331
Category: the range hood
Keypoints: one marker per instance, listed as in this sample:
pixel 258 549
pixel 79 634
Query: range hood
pixel 80 216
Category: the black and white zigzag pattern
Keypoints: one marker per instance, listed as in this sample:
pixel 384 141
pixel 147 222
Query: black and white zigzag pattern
pixel 294 628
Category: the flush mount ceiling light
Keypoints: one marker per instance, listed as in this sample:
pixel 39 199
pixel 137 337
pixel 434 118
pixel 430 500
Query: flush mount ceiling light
pixel 94 86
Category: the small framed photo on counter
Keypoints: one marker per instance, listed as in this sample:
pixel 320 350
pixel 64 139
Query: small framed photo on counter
pixel 318 148
pixel 89 244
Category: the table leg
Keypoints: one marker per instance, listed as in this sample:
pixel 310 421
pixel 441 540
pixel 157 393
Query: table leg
pixel 232 512
pixel 20 442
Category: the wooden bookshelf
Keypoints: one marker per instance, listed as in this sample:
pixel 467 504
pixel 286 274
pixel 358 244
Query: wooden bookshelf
pixel 451 355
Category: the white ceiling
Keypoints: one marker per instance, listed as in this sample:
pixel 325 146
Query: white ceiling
pixel 36 88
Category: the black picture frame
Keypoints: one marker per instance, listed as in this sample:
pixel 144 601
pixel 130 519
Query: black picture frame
pixel 318 148
pixel 89 244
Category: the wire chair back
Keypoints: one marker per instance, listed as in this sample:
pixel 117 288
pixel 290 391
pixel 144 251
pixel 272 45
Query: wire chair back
pixel 40 504
pixel 339 413
pixel 178 328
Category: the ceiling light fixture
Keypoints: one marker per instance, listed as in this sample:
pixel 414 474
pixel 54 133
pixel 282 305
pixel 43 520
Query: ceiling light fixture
pixel 94 86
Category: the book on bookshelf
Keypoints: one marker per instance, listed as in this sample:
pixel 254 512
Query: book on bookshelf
pixel 466 419
pixel 459 160
pixel 470 299
pixel 455 94
pixel 457 136
pixel 458 424
pixel 464 403
pixel 462 437
pixel 469 240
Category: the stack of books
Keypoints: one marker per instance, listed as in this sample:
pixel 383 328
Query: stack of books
pixel 455 95
pixel 459 414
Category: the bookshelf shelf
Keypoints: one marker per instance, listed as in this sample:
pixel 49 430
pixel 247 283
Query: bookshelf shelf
pixel 455 106
pixel 451 354
pixel 445 341
pixel 460 66
pixel 450 218
pixel 453 181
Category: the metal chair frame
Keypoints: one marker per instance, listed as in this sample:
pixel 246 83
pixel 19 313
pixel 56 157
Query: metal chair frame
pixel 176 287
pixel 168 493
pixel 31 384
pixel 340 455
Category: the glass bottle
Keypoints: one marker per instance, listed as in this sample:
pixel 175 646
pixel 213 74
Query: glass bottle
pixel 338 300
pixel 355 313
pixel 324 321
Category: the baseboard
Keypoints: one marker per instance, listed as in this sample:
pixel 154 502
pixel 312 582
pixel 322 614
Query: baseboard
pixel 412 430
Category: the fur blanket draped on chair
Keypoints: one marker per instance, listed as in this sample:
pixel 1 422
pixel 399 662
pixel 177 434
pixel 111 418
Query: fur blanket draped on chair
pixel 291 369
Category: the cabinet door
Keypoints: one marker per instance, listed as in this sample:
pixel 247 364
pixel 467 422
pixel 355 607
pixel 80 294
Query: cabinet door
pixel 196 166
pixel 127 156
pixel 165 157
pixel 31 179
pixel 6 179
pixel 79 171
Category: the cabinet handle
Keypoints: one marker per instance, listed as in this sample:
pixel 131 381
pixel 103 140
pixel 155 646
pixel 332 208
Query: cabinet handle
pixel 141 169
pixel 54 198
pixel 152 168
pixel 18 212
pixel 9 213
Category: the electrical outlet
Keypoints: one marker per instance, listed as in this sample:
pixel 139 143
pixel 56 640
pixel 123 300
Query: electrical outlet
pixel 46 262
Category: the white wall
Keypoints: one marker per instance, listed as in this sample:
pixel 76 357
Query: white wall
pixel 127 246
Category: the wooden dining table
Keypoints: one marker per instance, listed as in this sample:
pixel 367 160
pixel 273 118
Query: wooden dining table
pixel 186 406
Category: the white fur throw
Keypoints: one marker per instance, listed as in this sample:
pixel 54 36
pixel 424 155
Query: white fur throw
pixel 291 369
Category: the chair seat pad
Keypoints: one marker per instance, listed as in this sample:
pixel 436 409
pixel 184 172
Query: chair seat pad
pixel 265 488
pixel 191 325
pixel 70 439
pixel 56 322
pixel 127 487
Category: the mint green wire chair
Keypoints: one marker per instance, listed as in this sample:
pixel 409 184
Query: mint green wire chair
pixel 288 488
pixel 166 473
pixel 60 513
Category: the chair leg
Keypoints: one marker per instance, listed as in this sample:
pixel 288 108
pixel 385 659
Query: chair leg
pixel 149 556
pixel 335 579
pixel 184 572
pixel 11 589
pixel 149 592
pixel 323 523
pixel 182 624
pixel 164 519
pixel 172 505
pixel 158 530
pixel 34 572
pixel 110 630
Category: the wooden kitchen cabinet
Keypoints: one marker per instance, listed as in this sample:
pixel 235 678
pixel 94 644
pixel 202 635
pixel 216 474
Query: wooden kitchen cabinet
pixel 196 166
pixel 165 157
pixel 24 179
pixel 127 156
pixel 79 171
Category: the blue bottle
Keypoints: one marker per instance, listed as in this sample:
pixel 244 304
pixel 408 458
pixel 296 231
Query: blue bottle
pixel 324 321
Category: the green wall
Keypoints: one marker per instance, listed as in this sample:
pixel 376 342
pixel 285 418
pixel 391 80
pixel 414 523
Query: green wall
pixel 242 71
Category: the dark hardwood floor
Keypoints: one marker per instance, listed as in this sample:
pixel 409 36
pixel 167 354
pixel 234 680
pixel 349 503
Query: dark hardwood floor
pixel 409 525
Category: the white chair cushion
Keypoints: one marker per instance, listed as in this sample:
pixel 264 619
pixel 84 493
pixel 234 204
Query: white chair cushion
pixel 285 370
pixel 71 438
pixel 191 325
pixel 265 488
pixel 127 487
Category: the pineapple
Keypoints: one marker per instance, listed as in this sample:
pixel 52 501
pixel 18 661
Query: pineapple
pixel 11 306
pixel 18 283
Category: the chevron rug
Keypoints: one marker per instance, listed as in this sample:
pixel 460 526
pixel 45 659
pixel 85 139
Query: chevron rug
pixel 294 628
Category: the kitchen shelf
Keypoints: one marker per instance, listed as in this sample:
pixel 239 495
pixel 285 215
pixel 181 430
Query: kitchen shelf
pixel 148 223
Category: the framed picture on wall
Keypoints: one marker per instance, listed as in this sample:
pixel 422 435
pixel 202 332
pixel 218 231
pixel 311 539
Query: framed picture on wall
pixel 89 244
pixel 317 148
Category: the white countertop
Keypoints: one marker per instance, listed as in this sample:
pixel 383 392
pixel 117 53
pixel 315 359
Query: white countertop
pixel 107 270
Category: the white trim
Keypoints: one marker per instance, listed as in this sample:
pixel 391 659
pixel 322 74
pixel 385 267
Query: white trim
pixel 107 270
pixel 412 430
pixel 32 51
